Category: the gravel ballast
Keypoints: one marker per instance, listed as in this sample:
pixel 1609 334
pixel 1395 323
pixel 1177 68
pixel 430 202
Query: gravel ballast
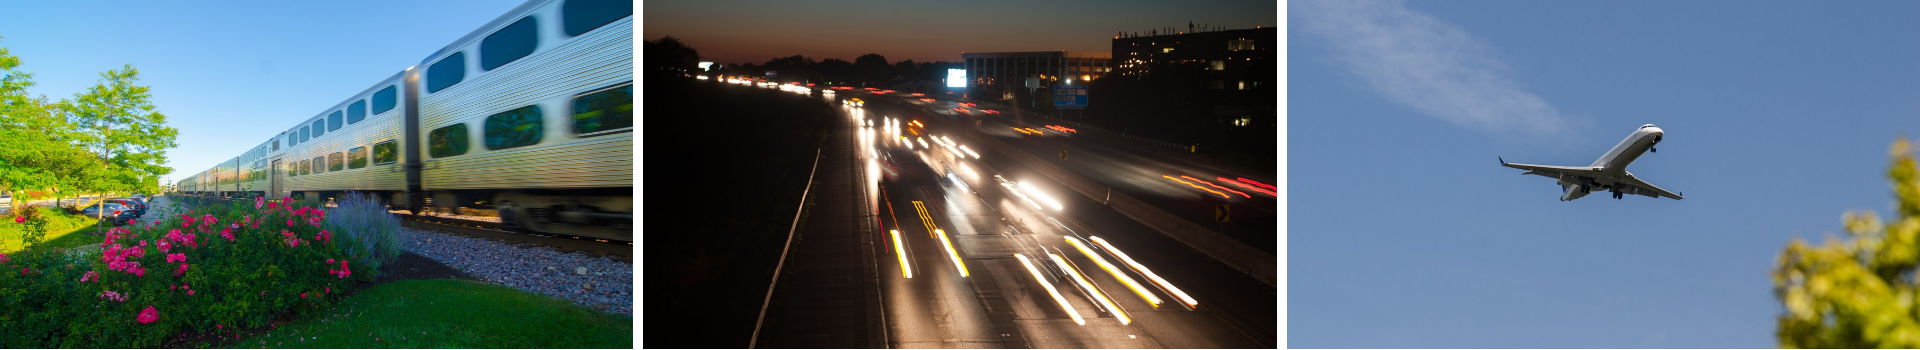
pixel 600 283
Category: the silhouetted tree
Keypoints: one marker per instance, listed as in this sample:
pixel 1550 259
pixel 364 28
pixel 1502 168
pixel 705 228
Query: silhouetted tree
pixel 668 54
pixel 837 71
pixel 873 68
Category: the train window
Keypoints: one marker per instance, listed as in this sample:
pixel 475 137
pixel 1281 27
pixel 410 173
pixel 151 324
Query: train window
pixel 514 128
pixel 385 152
pixel 582 16
pixel 276 144
pixel 305 132
pixel 447 141
pixel 333 121
pixel 319 165
pixel 610 109
pixel 357 112
pixel 509 44
pixel 336 161
pixel 447 72
pixel 357 157
pixel 384 100
pixel 303 167
pixel 319 127
pixel 293 169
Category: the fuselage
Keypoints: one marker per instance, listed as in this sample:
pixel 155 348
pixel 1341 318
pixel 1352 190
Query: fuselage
pixel 1617 159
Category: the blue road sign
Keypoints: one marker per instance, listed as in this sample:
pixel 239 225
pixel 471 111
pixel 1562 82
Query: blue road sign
pixel 1070 97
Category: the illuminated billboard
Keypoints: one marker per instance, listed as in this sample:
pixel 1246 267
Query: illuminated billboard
pixel 956 78
pixel 705 64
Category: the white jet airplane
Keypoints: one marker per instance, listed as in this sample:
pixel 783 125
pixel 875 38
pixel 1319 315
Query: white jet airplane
pixel 1607 174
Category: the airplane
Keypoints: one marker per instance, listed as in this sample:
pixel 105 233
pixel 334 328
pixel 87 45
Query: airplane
pixel 1607 174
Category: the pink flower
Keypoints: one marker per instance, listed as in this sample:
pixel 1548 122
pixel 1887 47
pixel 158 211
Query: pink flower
pixel 112 295
pixel 19 219
pixel 164 245
pixel 257 201
pixel 186 224
pixel 289 222
pixel 221 326
pixel 189 291
pixel 139 271
pixel 148 315
pixel 181 271
pixel 143 243
pixel 303 295
pixel 3 258
pixel 228 234
pixel 329 261
pixel 89 276
pixel 329 289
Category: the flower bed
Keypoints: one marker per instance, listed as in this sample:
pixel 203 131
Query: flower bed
pixel 227 266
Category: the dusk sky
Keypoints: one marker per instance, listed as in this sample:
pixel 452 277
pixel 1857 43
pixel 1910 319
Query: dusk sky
pixel 742 31
pixel 1405 231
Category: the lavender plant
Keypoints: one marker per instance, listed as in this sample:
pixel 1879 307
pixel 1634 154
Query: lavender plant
pixel 373 234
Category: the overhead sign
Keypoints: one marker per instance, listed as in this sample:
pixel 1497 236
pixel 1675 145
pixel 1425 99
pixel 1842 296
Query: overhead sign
pixel 773 74
pixel 1070 97
pixel 956 78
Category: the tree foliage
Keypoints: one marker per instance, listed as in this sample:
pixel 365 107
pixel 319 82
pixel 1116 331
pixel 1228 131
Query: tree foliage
pixel 668 54
pixel 1860 291
pixel 39 153
pixel 120 125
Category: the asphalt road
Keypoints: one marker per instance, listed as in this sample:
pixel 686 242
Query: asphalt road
pixel 936 199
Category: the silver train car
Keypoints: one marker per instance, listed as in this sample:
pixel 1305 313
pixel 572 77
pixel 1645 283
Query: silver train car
pixel 530 116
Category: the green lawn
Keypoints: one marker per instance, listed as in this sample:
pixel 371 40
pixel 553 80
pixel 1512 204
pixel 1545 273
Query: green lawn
pixel 63 231
pixel 444 313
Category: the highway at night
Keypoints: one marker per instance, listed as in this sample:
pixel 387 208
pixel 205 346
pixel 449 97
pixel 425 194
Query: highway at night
pixel 968 247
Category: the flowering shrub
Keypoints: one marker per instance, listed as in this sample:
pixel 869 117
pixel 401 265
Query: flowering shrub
pixel 207 276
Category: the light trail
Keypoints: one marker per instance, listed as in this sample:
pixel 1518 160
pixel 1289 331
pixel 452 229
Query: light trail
pixel 1149 273
pixel 1222 195
pixel 1257 183
pixel 1050 290
pixel 1095 291
pixel 905 270
pixel 1242 194
pixel 1115 271
pixel 1250 187
pixel 942 235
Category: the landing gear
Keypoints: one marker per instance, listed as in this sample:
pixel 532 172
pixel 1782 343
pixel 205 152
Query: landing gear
pixel 1618 195
pixel 1654 150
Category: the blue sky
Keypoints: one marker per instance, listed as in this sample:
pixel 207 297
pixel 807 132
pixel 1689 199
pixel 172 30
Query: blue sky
pixel 231 74
pixel 1405 231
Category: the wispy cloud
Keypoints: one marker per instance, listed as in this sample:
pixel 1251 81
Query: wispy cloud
pixel 1433 66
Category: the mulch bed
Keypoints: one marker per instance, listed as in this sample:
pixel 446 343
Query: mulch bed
pixel 410 266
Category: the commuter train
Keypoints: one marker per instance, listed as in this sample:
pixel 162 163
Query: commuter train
pixel 530 116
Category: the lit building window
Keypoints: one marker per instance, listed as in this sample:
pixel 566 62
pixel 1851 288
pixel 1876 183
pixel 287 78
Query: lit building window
pixel 1239 44
pixel 1166 50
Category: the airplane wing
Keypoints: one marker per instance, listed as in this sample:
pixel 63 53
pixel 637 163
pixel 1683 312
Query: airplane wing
pixel 1634 185
pixel 1551 171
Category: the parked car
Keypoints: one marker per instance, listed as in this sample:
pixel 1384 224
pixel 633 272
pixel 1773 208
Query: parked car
pixel 113 212
pixel 139 206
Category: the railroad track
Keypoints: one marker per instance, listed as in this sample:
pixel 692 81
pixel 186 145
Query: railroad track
pixel 622 251
pixel 494 231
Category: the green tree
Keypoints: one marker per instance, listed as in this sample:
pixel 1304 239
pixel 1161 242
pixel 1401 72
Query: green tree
pixel 1860 291
pixel 39 154
pixel 118 123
